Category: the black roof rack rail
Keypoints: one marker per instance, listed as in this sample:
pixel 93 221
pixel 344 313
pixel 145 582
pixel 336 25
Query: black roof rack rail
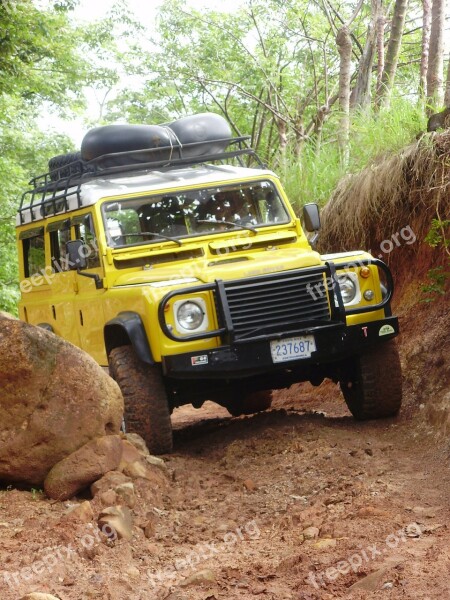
pixel 50 192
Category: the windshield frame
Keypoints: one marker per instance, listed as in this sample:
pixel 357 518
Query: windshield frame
pixel 155 238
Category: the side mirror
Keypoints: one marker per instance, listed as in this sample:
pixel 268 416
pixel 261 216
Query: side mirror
pixel 77 260
pixel 311 217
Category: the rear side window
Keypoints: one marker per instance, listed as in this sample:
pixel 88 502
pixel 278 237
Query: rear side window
pixel 33 252
pixel 59 235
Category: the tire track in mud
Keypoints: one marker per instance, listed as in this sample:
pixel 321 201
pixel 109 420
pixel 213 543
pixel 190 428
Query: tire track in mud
pixel 333 501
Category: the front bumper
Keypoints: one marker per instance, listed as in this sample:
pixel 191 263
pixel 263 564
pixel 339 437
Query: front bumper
pixel 334 342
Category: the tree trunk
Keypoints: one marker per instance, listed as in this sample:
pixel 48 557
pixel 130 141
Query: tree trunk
pixel 319 120
pixel 447 87
pixel 282 135
pixel 299 135
pixel 361 93
pixel 426 29
pixel 381 23
pixel 393 51
pixel 436 57
pixel 344 44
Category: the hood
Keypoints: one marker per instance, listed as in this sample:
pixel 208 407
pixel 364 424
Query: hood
pixel 222 267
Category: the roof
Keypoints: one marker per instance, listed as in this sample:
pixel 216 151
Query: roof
pixel 89 192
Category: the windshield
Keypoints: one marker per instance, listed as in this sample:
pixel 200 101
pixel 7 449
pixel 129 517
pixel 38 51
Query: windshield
pixel 151 219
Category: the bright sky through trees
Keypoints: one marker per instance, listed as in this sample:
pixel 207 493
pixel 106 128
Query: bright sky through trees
pixel 273 68
pixel 145 12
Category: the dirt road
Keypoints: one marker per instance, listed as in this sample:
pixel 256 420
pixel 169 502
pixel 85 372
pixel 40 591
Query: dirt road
pixel 301 502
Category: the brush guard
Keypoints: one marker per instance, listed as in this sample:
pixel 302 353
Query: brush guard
pixel 336 314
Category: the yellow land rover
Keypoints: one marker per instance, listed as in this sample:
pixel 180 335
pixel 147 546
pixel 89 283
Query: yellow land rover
pixel 161 254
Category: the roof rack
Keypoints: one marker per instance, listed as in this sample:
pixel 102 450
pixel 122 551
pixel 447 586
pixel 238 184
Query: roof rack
pixel 51 192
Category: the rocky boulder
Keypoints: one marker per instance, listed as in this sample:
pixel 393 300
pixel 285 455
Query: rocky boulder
pixel 84 466
pixel 54 399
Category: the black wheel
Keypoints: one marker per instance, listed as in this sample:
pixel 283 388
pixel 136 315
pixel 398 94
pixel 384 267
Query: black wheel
pixel 250 403
pixel 58 165
pixel 373 388
pixel 146 405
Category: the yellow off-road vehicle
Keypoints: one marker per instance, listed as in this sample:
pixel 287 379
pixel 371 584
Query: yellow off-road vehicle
pixel 162 255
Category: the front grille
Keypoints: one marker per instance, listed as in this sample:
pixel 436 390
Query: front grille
pixel 278 303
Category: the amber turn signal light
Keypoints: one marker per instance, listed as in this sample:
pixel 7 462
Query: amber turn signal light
pixel 364 272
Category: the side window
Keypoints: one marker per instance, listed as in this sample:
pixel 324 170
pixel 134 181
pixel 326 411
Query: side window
pixel 84 230
pixel 34 252
pixel 59 236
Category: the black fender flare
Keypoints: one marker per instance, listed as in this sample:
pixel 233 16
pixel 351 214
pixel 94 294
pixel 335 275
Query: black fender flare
pixel 128 328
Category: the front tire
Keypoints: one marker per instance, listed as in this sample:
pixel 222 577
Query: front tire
pixel 146 405
pixel 373 387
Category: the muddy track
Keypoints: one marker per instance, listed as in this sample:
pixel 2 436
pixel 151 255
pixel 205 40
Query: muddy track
pixel 375 494
pixel 301 502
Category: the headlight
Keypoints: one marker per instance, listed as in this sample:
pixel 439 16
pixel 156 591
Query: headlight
pixel 348 288
pixel 190 315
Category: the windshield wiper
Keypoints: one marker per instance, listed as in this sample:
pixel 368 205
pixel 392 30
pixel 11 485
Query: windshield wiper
pixel 230 223
pixel 154 234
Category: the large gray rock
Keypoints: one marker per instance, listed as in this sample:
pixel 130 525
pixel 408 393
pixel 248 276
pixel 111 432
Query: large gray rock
pixel 54 398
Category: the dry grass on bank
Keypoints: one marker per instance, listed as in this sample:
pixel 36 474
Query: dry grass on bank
pixel 411 188
pixel 369 211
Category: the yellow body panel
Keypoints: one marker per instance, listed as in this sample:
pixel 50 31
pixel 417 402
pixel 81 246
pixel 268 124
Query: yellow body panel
pixel 77 311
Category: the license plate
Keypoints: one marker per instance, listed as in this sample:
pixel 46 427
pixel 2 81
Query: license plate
pixel 292 348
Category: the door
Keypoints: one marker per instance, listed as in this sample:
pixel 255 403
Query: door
pixel 88 299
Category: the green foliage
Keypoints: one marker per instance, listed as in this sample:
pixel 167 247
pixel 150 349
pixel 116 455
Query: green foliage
pixel 438 279
pixel 256 66
pixel 36 494
pixel 270 67
pixel 24 150
pixel 438 237
pixel 439 233
pixel 389 130
pixel 304 177
pixel 45 60
pixel 313 175
pixel 43 56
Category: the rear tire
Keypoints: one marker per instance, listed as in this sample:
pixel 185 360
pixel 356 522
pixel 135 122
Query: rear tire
pixel 146 405
pixel 373 388
pixel 251 403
